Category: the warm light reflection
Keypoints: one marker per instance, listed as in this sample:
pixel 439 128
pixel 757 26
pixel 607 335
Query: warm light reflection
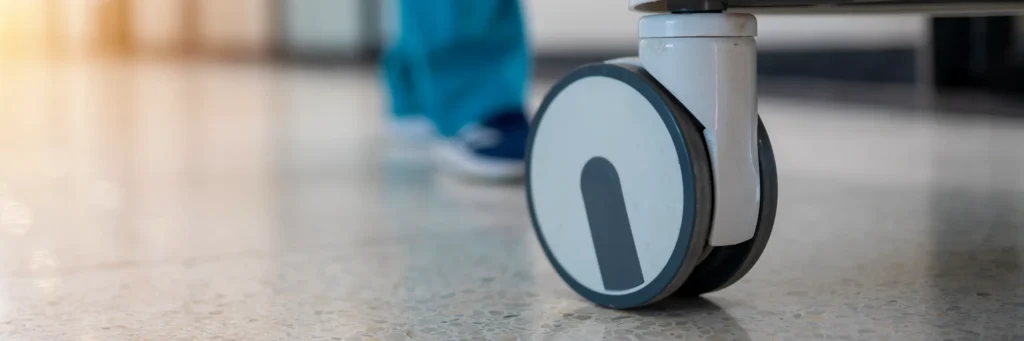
pixel 43 260
pixel 47 284
pixel 45 263
pixel 23 27
pixel 15 217
pixel 29 27
pixel 78 23
pixel 53 168
pixel 106 195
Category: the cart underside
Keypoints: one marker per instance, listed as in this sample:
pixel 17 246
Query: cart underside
pixel 845 6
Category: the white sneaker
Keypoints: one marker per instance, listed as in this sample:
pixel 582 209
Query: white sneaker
pixel 494 150
pixel 411 128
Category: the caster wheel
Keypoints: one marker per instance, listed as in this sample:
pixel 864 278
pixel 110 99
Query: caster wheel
pixel 620 189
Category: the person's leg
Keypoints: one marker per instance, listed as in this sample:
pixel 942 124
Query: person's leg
pixel 470 68
pixel 475 56
pixel 399 83
pixel 403 103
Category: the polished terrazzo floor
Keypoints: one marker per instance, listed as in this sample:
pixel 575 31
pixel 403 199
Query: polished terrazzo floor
pixel 178 201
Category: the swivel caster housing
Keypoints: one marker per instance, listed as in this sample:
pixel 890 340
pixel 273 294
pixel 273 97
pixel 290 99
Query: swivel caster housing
pixel 653 176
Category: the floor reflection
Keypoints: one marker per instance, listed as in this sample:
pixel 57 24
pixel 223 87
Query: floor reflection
pixel 978 234
pixel 150 200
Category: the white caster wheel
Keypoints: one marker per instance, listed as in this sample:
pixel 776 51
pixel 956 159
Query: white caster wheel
pixel 620 190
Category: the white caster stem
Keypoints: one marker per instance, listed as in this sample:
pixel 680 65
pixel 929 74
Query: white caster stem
pixel 708 62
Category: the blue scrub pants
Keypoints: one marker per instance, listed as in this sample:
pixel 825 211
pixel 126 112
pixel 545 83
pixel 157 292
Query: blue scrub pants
pixel 457 61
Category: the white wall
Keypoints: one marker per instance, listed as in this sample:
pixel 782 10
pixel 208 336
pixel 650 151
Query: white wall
pixel 563 26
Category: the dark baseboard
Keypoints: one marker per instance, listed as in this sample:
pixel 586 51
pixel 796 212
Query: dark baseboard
pixel 892 66
pixel 888 66
pixel 910 99
pixel 364 56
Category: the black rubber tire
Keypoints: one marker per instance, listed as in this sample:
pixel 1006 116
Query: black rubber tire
pixel 727 264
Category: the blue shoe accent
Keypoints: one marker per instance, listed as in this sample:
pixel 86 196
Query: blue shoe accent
pixel 502 137
pixel 494 149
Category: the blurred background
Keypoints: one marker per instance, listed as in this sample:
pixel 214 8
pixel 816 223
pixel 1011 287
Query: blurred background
pixel 901 49
pixel 201 168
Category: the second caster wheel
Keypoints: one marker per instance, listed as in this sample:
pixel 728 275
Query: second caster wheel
pixel 620 190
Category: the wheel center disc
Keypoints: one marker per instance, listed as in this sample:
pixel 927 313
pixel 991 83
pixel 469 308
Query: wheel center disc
pixel 606 185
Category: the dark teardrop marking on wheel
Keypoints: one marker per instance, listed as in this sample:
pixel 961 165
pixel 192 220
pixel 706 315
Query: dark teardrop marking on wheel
pixel 617 257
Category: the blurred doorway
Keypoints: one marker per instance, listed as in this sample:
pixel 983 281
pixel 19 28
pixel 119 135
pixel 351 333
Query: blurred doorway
pixel 113 26
pixel 235 28
pixel 983 53
pixel 84 28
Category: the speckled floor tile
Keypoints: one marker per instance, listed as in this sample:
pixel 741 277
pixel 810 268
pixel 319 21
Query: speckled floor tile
pixel 150 201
